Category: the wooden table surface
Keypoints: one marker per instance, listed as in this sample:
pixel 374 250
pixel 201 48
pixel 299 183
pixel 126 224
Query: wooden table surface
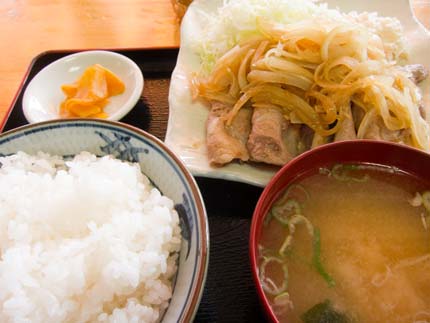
pixel 29 27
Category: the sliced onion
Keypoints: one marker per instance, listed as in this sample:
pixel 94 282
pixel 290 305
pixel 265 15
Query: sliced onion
pixel 266 283
pixel 281 78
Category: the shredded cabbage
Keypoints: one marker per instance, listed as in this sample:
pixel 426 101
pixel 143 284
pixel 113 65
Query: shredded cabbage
pixel 237 21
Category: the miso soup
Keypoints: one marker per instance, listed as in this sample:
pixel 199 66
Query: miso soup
pixel 349 243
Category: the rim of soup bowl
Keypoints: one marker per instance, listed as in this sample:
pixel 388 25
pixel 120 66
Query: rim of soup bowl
pixel 191 305
pixel 404 158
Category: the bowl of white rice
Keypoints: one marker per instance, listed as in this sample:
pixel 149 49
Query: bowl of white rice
pixel 99 222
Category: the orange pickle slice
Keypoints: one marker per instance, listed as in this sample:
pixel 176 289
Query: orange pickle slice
pixel 87 97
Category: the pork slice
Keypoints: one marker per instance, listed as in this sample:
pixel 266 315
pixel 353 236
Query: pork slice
pixel 422 110
pixel 319 140
pixel 347 128
pixel 306 139
pixel 417 72
pixel 241 125
pixel 357 115
pixel 292 139
pixel 369 127
pixel 266 141
pixel 399 136
pixel 227 143
pixel 372 132
pixel 378 131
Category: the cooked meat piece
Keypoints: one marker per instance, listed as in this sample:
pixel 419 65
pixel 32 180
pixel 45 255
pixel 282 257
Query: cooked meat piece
pixel 306 138
pixel 372 132
pixel 227 143
pixel 266 141
pixel 357 115
pixel 368 129
pixel 377 130
pixel 319 140
pixel 399 136
pixel 422 111
pixel 241 125
pixel 418 72
pixel 292 139
pixel 347 128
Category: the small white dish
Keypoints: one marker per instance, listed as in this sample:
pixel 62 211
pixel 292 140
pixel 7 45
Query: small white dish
pixel 186 130
pixel 43 95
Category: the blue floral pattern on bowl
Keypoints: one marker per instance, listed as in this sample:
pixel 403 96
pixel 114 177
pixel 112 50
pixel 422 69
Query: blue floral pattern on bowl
pixel 120 147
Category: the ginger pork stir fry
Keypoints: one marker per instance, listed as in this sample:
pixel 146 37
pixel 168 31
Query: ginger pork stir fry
pixel 296 86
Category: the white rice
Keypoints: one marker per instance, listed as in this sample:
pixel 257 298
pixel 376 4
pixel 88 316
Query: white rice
pixel 87 240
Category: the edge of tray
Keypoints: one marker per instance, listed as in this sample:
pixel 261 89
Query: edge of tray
pixel 64 51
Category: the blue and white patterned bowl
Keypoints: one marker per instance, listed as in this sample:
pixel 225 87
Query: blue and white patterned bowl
pixel 165 170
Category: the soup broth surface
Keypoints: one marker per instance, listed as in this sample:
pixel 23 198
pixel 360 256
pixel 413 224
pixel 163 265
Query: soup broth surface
pixel 373 263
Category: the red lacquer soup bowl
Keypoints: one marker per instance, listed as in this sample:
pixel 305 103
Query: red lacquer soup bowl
pixel 403 158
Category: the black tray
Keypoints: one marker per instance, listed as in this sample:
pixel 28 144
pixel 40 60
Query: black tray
pixel 229 294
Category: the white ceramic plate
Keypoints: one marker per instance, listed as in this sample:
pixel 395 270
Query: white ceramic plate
pixel 43 95
pixel 186 127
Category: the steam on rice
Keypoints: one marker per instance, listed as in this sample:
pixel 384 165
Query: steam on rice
pixel 86 240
